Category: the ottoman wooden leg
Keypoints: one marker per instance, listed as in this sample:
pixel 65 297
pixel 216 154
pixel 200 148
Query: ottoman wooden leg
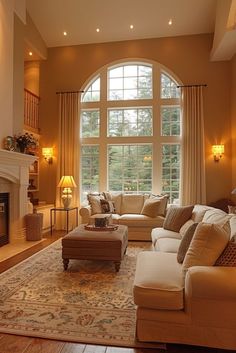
pixel 117 266
pixel 65 264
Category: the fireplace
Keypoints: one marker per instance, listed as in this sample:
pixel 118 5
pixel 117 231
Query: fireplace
pixel 4 218
pixel 14 181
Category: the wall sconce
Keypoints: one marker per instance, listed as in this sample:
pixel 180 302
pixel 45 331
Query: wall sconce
pixel 67 182
pixel 218 151
pixel 47 153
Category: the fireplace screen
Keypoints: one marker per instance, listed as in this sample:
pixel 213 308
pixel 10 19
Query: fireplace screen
pixel 4 218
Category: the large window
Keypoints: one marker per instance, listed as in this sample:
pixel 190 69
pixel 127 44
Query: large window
pixel 131 131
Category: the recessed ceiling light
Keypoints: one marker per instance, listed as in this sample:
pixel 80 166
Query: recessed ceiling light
pixel 64 33
pixel 170 22
pixel 97 30
pixel 131 26
pixel 30 53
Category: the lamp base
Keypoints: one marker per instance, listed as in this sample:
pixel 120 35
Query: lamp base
pixel 66 200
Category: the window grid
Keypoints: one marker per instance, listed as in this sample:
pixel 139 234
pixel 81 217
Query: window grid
pixel 171 171
pixel 130 168
pixel 170 121
pixel 92 93
pixel 159 179
pixel 130 122
pixel 130 82
pixel 89 170
pixel 90 126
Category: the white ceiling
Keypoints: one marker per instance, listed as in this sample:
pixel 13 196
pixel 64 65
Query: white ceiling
pixel 80 18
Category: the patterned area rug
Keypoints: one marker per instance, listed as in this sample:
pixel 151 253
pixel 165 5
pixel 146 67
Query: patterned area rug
pixel 88 303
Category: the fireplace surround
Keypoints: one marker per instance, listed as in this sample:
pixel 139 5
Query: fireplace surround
pixel 14 180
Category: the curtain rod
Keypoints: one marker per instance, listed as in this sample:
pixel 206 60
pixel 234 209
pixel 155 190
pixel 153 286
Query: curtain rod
pixel 70 92
pixel 202 85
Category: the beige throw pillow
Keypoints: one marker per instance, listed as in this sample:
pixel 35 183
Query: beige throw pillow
pixel 208 243
pixel 94 202
pixel 185 242
pixel 163 203
pixel 151 207
pixel 176 216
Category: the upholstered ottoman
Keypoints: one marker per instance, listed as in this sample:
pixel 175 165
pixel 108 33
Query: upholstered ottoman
pixel 85 244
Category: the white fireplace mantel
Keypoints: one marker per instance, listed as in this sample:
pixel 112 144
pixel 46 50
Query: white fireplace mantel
pixel 14 168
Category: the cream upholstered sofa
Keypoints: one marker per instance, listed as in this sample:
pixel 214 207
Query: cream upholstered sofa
pixel 193 302
pixel 141 213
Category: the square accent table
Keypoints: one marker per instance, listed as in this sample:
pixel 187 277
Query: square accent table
pixel 62 209
pixel 85 244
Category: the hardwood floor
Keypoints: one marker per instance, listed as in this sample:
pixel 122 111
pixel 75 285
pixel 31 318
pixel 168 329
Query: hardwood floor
pixel 22 344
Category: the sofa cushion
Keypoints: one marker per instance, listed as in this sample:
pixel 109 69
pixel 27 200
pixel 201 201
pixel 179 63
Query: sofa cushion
pixel 140 220
pixel 158 282
pixel 208 243
pixel 228 256
pixel 151 207
pixel 94 202
pixel 185 242
pixel 215 216
pixel 198 212
pixel 167 245
pixel 131 203
pixel 116 198
pixel 159 232
pixel 185 227
pixel 176 216
pixel 107 206
pixel 163 203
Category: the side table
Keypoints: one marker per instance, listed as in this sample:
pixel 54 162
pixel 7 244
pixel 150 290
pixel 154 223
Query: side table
pixel 62 209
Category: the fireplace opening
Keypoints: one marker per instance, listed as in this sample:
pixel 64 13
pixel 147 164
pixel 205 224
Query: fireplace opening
pixel 4 218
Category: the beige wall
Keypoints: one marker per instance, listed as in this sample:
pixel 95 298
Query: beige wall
pixel 6 68
pixel 233 122
pixel 67 68
pixel 18 76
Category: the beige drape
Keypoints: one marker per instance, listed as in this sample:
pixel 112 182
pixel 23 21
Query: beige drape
pixel 68 141
pixel 193 188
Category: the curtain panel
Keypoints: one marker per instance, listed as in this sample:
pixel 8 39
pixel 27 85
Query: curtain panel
pixel 68 140
pixel 193 188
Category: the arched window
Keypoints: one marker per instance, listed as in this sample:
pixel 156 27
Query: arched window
pixel 131 131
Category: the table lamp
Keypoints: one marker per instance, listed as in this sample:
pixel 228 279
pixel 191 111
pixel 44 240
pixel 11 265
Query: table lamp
pixel 67 182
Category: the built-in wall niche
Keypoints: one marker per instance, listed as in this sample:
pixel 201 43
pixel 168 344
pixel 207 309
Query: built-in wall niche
pixel 4 218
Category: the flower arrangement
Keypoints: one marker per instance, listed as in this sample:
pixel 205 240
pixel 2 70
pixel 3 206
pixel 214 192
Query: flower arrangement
pixel 26 143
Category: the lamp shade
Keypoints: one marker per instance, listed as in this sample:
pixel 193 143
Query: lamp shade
pixel 67 181
pixel 233 191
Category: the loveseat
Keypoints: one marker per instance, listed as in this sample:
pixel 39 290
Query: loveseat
pixel 140 212
pixel 193 302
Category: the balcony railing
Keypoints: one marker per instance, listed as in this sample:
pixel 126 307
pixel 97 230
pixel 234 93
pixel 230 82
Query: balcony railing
pixel 31 110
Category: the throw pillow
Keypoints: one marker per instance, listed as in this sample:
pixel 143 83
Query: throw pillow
pixel 163 203
pixel 185 242
pixel 208 243
pixel 151 207
pixel 228 256
pixel 176 216
pixel 94 202
pixel 107 206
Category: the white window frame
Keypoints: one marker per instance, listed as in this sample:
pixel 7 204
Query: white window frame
pixel 155 102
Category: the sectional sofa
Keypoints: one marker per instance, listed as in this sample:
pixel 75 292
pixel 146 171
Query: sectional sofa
pixel 193 302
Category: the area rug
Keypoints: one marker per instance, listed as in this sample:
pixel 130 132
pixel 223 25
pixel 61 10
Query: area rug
pixel 89 303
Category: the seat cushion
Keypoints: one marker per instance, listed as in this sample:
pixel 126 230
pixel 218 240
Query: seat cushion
pixel 167 245
pixel 140 220
pixel 158 282
pixel 160 232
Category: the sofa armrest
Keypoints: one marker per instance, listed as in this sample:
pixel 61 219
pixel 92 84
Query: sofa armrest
pixel 85 213
pixel 210 296
pixel 211 282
